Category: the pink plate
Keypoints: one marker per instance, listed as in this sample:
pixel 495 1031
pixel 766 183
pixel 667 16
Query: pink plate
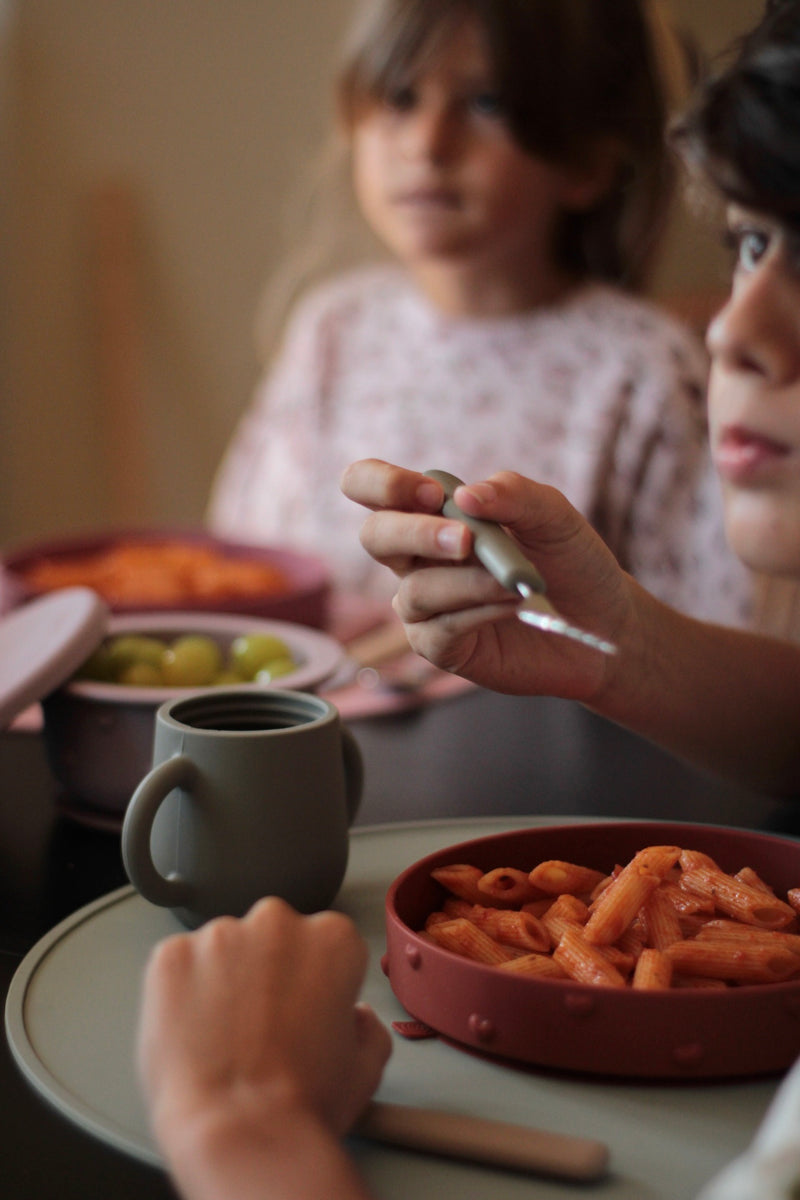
pixel 685 1034
pixel 303 601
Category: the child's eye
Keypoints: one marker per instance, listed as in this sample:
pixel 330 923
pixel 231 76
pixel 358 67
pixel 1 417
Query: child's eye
pixel 749 244
pixel 401 99
pixel 487 104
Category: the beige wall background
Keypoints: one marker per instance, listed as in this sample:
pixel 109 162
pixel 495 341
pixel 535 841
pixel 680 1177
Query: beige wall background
pixel 139 305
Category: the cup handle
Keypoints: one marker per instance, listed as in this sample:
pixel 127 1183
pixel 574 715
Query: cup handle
pixel 353 773
pixel 176 772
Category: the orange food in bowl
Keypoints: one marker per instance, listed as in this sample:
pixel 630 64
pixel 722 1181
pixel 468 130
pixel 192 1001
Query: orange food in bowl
pixel 158 572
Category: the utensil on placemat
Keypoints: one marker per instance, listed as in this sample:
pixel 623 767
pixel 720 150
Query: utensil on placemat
pixel 478 1139
pixel 504 560
pixel 383 661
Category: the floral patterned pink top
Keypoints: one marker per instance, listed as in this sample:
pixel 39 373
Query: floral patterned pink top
pixel 601 396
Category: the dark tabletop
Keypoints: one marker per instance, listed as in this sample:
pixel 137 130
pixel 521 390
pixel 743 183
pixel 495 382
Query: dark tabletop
pixel 476 755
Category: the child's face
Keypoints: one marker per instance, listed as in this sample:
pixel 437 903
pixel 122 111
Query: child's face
pixel 440 178
pixel 754 398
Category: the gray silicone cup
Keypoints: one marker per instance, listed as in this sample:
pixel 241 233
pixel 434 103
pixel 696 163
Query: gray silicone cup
pixel 251 794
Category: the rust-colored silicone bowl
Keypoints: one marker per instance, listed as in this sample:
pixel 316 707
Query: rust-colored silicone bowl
pixel 671 1034
pixel 301 594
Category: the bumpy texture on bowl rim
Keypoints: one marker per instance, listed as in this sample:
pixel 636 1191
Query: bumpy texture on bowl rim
pixel 685 1034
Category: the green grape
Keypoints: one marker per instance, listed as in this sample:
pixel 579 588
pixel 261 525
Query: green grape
pixel 252 651
pixel 275 669
pixel 227 678
pixel 192 661
pixel 141 674
pixel 98 666
pixel 130 648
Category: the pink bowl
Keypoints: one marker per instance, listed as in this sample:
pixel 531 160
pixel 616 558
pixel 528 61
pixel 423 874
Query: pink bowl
pixel 686 1034
pixel 303 601
pixel 99 736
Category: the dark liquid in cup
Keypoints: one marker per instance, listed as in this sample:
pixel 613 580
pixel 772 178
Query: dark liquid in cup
pixel 248 712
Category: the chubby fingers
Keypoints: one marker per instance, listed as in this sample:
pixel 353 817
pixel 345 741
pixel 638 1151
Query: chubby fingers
pixel 404 541
pixel 375 1049
pixel 376 484
pixel 510 499
pixel 446 589
pixel 405 527
pixel 380 486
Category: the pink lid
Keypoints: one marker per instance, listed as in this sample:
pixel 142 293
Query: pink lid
pixel 43 643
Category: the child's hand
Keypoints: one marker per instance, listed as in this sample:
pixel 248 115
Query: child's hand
pixel 253 1018
pixel 457 615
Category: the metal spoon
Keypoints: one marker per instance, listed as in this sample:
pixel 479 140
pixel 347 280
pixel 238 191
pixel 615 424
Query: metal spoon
pixel 503 559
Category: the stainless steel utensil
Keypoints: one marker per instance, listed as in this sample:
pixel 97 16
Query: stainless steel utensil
pixel 382 660
pixel 503 558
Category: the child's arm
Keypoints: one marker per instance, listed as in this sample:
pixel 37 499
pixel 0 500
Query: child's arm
pixel 256 1058
pixel 727 700
pixel 289 1155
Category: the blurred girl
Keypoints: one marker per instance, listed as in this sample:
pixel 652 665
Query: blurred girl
pixel 510 158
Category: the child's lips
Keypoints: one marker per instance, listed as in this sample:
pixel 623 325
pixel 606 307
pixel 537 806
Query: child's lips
pixel 427 197
pixel 743 455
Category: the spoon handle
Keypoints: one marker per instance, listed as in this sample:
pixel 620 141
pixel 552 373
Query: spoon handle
pixel 477 1139
pixel 498 552
pixel 504 559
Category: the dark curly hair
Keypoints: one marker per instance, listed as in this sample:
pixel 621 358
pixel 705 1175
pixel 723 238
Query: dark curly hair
pixel 743 130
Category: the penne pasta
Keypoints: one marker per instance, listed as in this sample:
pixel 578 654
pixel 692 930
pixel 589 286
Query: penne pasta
pixel 751 934
pixel 540 966
pixel 698 982
pixel 753 879
pixel 633 939
pixel 684 902
pixel 669 918
pixel 584 962
pixel 692 923
pixel 505 925
pixel 721 958
pixel 661 923
pixel 623 960
pixel 737 899
pixel 462 880
pixel 556 877
pixel 695 858
pixel 566 910
pixel 436 918
pixel 508 885
pixel 604 883
pixel 466 939
pixel 616 907
pixel 653 970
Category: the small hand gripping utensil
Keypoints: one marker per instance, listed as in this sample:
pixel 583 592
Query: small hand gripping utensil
pixel 503 559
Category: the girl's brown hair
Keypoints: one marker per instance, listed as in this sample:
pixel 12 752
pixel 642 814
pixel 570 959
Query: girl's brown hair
pixel 572 76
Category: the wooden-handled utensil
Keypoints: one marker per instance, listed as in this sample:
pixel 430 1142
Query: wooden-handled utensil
pixel 478 1139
